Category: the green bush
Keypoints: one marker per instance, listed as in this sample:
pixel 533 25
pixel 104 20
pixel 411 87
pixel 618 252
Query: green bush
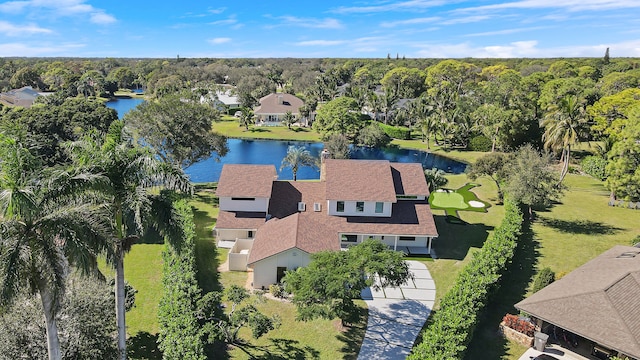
pixel 545 277
pixel 594 166
pixel 480 143
pixel 180 336
pixel 451 329
pixel 396 132
pixel 276 290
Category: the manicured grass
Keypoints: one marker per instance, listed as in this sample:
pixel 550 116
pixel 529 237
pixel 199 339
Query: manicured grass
pixel 570 233
pixel 317 339
pixel 231 128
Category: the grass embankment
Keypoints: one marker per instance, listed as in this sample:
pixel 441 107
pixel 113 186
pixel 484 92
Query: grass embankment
pixel 229 127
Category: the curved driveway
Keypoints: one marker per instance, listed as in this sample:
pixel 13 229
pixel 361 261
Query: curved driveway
pixel 396 315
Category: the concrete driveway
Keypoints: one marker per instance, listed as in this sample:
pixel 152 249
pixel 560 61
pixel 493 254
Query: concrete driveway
pixel 396 315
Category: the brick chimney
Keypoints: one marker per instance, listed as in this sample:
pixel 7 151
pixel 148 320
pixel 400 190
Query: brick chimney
pixel 324 156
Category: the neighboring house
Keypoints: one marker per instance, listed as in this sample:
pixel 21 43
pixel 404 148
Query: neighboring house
pixel 599 301
pixel 20 97
pixel 272 226
pixel 273 107
pixel 223 100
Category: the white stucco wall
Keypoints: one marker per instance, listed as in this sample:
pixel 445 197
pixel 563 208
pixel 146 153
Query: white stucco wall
pixel 350 209
pixel 232 234
pixel 257 204
pixel 265 271
pixel 421 241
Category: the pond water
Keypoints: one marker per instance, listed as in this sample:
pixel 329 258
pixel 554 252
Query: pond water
pixel 247 151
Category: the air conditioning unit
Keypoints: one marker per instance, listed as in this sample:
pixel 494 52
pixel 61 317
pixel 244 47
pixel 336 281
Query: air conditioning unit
pixel 317 207
pixel 302 206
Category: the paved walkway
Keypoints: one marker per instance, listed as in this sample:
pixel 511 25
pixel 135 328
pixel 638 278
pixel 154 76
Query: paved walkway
pixel 396 315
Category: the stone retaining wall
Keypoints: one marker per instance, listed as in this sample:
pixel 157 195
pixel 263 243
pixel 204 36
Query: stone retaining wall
pixel 513 335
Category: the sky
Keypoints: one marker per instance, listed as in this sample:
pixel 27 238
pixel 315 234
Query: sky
pixel 312 29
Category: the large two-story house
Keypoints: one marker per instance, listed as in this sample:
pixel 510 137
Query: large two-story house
pixel 274 107
pixel 272 226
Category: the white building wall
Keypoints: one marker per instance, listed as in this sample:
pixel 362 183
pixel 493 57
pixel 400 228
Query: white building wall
pixel 390 240
pixel 232 234
pixel 257 204
pixel 350 209
pixel 265 271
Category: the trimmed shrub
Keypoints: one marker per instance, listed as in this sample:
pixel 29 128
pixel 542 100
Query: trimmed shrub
pixel 180 335
pixel 480 143
pixel 373 136
pixel 594 166
pixel 544 277
pixel 451 329
pixel 396 132
pixel 276 290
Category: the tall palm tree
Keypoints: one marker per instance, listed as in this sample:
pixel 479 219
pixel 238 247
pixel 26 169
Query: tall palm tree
pixel 44 229
pixel 564 126
pixel 297 157
pixel 246 118
pixel 389 102
pixel 132 175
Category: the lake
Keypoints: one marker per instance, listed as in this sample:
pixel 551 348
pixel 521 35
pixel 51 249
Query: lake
pixel 248 151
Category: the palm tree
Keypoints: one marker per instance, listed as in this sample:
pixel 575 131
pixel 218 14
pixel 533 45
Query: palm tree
pixel 374 103
pixel 132 175
pixel 564 126
pixel 289 119
pixel 297 157
pixel 246 118
pixel 44 229
pixel 389 102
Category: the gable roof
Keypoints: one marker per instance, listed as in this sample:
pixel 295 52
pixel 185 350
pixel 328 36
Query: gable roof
pixel 314 231
pixel 598 301
pixel 359 180
pixel 408 179
pixel 246 180
pixel 279 104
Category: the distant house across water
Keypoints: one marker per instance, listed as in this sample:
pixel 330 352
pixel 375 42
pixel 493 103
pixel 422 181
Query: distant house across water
pixel 24 96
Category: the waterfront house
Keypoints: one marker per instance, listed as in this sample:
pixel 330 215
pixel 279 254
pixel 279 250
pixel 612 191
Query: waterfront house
pixel 273 108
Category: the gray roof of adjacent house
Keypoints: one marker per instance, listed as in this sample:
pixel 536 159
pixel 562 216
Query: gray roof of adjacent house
pixel 599 301
pixel 279 103
pixel 23 96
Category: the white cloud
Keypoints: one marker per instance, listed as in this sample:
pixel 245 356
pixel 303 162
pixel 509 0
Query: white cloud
pixel 569 5
pixel 58 8
pixel 326 23
pixel 219 40
pixel 527 49
pixel 506 31
pixel 228 21
pixel 466 20
pixel 415 21
pixel 102 18
pixel 11 49
pixel 412 5
pixel 217 11
pixel 9 29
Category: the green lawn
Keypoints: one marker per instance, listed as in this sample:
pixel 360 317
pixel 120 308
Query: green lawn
pixel 231 128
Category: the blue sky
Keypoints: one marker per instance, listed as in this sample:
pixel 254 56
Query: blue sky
pixel 411 28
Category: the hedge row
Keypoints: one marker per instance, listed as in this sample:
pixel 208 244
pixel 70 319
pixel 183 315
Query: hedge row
pixel 453 324
pixel 180 335
pixel 396 132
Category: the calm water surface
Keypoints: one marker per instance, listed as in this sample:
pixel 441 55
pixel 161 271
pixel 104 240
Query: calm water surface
pixel 246 151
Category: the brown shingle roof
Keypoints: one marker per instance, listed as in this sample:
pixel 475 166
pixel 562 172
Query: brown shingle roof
pixel 240 220
pixel 408 179
pixel 246 180
pixel 599 301
pixel 359 180
pixel 279 104
pixel 316 231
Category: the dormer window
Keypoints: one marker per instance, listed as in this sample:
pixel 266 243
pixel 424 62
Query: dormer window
pixel 340 206
pixel 359 206
pixel 379 207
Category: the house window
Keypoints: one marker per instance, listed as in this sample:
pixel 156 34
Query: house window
pixel 407 238
pixel 242 199
pixel 349 238
pixel 359 206
pixel 379 207
pixel 340 206
pixel 249 234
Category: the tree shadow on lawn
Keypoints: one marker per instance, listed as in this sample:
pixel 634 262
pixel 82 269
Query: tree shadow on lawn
pixel 354 335
pixel 487 343
pixel 454 241
pixel 280 349
pixel 259 130
pixel 580 227
pixel 143 346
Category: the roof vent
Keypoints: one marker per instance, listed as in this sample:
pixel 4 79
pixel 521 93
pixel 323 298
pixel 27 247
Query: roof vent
pixel 302 206
pixel 628 255
pixel 317 207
